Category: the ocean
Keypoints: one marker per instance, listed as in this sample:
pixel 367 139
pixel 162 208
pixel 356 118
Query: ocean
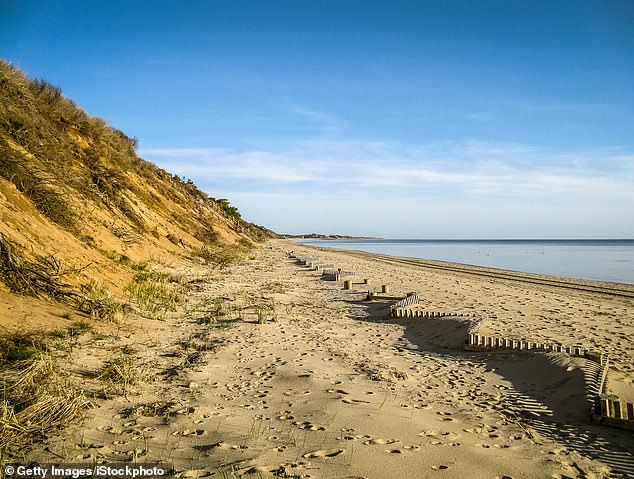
pixel 600 260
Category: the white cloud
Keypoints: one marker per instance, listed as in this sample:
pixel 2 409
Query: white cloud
pixel 472 167
pixel 452 189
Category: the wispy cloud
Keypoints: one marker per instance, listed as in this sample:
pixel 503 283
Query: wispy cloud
pixel 473 167
pixel 451 189
pixel 465 168
pixel 321 120
pixel 219 164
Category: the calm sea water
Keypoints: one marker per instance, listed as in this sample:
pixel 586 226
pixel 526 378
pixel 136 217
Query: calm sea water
pixel 601 260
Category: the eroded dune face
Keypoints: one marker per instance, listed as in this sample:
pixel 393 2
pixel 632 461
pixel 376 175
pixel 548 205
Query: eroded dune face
pixel 80 208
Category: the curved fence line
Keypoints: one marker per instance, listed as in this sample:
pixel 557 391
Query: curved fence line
pixel 607 409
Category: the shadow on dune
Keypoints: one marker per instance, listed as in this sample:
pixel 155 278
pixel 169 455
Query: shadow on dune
pixel 550 392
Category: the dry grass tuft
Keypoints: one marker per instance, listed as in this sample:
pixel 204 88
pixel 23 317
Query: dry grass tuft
pixel 26 377
pixel 52 411
pixel 120 374
pixel 42 277
pixel 266 312
pixel 8 424
pixel 35 398
pixel 155 292
pixel 99 303
pixel 222 256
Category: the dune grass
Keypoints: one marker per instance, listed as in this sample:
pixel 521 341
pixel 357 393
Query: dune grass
pixel 36 397
pixel 156 293
pixel 120 374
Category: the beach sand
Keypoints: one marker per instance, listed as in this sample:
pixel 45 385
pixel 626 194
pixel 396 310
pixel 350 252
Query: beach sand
pixel 326 386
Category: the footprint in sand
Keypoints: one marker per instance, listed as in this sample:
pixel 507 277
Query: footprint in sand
pixel 323 453
pixel 186 410
pixel 110 429
pixel 337 391
pixel 135 452
pixel 220 445
pixel 269 469
pixel 189 432
pixel 308 426
pixel 378 441
pixel 291 392
pixel 354 401
pixel 192 473
pixel 414 447
pixel 103 451
pixel 429 433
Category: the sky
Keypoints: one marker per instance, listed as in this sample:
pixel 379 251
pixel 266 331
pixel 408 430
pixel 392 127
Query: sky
pixel 398 119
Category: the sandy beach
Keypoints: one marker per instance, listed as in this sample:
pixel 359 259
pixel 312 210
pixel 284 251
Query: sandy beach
pixel 316 382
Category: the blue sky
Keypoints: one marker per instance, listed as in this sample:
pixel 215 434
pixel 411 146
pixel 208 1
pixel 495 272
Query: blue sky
pixel 446 119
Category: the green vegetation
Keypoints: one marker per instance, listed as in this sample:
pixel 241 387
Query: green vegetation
pixel 77 328
pixel 21 346
pixel 118 257
pixel 156 293
pixel 98 302
pixel 231 211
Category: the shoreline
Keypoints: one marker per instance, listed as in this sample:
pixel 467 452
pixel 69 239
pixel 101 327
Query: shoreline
pixel 613 303
pixel 467 240
pixel 626 288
